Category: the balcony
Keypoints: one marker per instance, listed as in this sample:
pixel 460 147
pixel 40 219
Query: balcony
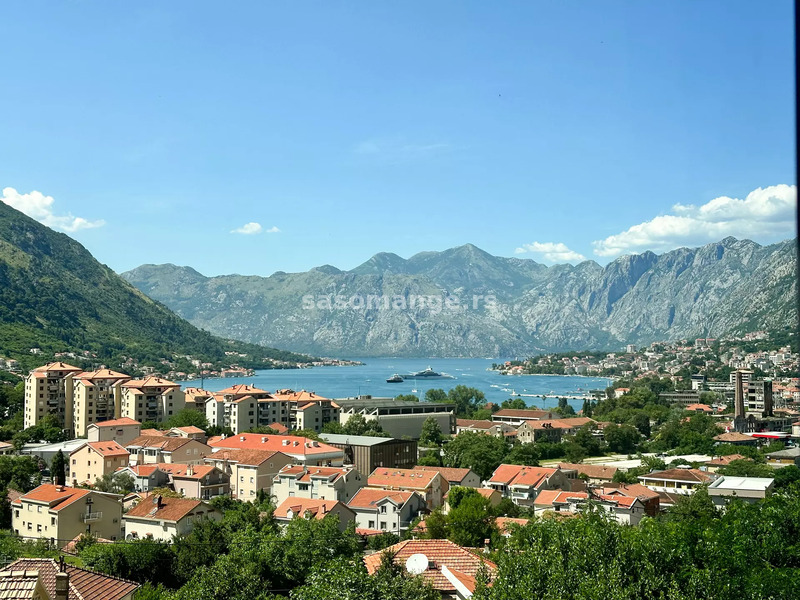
pixel 90 517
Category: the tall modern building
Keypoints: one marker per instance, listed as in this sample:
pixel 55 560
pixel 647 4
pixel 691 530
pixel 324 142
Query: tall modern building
pixel 96 398
pixel 49 390
pixel 150 399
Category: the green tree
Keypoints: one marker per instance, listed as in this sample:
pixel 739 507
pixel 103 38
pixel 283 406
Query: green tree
pixel 466 399
pixel 622 438
pixel 523 454
pixel 471 521
pixel 58 469
pixel 786 476
pixel 431 458
pixel 407 398
pixel 746 468
pixel 431 433
pixel 140 560
pixel 187 417
pixel 115 483
pixel 477 451
pixel 19 472
pixel 514 403
pixel 436 395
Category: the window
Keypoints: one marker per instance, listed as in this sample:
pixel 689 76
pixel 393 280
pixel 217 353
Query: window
pixel 383 525
pixel 383 509
pixel 371 525
pixel 52 520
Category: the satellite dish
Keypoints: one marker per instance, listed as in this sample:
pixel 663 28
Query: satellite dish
pixel 416 564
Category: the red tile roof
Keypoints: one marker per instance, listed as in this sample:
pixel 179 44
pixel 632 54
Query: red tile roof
pixel 141 470
pixel 370 498
pixel 150 381
pixel 102 374
pixel 117 422
pixel 451 474
pixel 301 506
pixel 473 424
pixel 242 389
pixel 553 497
pixel 733 436
pixel 592 471
pixel 55 367
pixel 56 496
pixel 721 461
pixel 166 444
pixel 401 478
pixel 512 475
pixel 245 457
pixel 278 428
pixel 170 509
pixel 303 473
pixel 183 471
pixel 687 475
pixel 524 413
pixel 84 584
pixel 636 490
pixel 503 523
pixel 288 444
pixel 439 553
pixel 111 448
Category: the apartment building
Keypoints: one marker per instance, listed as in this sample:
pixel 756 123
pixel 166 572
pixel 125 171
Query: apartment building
pixel 398 418
pixel 454 476
pixel 677 481
pixel 48 390
pixel 366 453
pixel 326 483
pixel 516 417
pixel 57 512
pixel 93 460
pixel 307 410
pixel 96 398
pixel 251 471
pixel 240 413
pixel 151 399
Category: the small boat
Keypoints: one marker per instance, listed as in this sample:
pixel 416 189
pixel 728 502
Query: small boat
pixel 415 391
pixel 396 378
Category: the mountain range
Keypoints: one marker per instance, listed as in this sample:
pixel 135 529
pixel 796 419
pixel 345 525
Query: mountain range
pixel 56 297
pixel 720 288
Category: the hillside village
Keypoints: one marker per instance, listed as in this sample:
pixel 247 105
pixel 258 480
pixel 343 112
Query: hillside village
pixel 105 460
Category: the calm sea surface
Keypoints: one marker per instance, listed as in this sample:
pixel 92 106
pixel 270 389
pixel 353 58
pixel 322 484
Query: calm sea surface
pixel 341 382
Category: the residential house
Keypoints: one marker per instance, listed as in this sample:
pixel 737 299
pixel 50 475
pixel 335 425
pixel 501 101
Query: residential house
pixel 517 417
pixel 195 399
pixel 146 477
pixel 151 399
pixel 6 448
pixel 497 429
pixel 593 474
pixel 58 512
pixel 93 460
pixel 96 397
pixel 301 449
pixel 749 489
pixel 677 481
pixel 162 518
pixel 523 484
pixel 122 431
pixel 788 456
pixel 308 508
pixel 307 410
pixel 251 471
pixel 723 461
pixel 324 483
pixel 79 583
pixel 626 510
pixel 386 510
pixel 149 450
pixel 189 431
pixel 428 484
pixel 454 476
pixel 366 453
pixel 648 497
pixel 197 481
pixel 450 569
pixel 700 408
pixel 736 438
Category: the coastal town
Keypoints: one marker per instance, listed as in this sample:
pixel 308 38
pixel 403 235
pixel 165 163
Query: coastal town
pixel 146 460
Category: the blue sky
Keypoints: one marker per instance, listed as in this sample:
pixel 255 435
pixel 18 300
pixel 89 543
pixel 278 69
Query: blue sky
pixel 251 137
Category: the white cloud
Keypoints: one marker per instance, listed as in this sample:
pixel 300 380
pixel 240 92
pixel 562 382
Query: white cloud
pixel 768 212
pixel 273 230
pixel 555 252
pixel 248 229
pixel 40 207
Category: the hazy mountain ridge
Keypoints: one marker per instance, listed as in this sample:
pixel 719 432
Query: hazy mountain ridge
pixel 716 289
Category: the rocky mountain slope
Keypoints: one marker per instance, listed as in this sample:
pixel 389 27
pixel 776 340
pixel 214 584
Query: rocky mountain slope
pixel 732 285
